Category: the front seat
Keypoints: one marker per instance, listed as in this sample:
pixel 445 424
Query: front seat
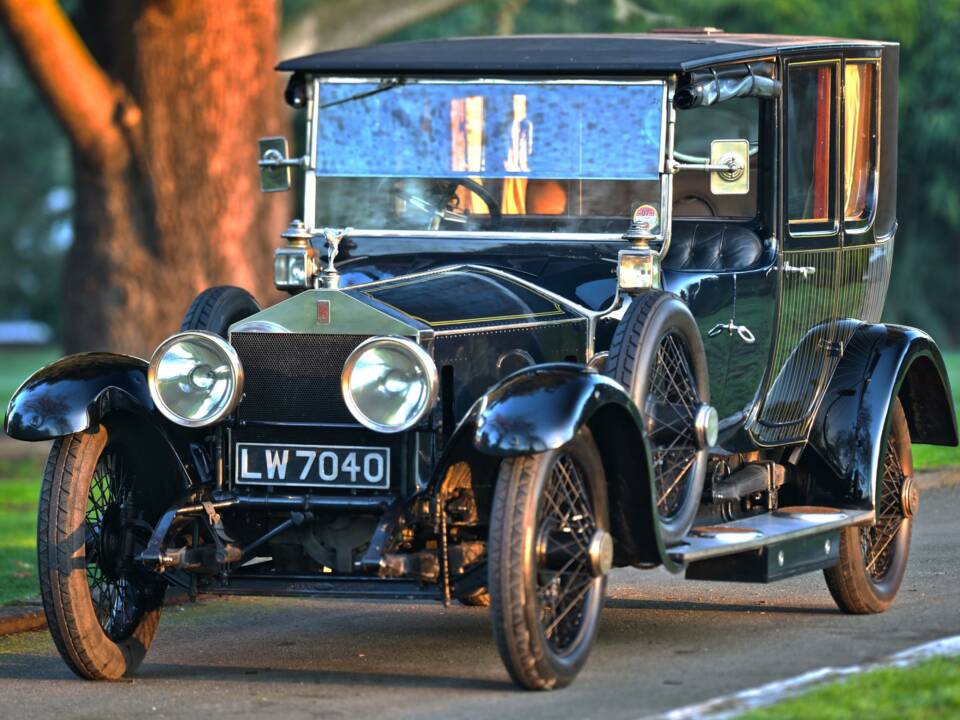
pixel 714 246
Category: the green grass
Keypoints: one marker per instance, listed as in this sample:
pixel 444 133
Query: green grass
pixel 932 456
pixel 18 364
pixel 19 492
pixel 928 690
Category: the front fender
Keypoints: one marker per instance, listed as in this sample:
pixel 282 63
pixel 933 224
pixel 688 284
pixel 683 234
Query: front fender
pixel 543 407
pixel 881 362
pixel 75 393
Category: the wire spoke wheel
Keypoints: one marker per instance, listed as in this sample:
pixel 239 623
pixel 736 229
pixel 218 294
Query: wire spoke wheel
pixel 102 610
pixel 566 527
pixel 657 355
pixel 673 393
pixel 873 559
pixel 878 543
pixel 549 551
pixel 117 600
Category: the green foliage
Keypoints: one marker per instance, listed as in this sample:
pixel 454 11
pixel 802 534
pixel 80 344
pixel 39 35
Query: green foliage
pixel 19 493
pixel 36 156
pixel 929 690
pixel 927 264
pixel 933 456
pixel 35 207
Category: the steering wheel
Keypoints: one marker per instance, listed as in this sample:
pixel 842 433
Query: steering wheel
pixel 446 209
pixel 697 198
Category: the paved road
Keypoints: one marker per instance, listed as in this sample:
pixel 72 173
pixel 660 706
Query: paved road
pixel 663 643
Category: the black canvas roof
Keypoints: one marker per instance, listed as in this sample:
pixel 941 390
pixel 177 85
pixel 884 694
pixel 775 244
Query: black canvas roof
pixel 571 55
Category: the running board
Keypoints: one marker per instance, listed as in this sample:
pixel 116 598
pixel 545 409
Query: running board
pixel 765 547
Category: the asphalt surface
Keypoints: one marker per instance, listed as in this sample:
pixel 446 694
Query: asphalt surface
pixel 664 642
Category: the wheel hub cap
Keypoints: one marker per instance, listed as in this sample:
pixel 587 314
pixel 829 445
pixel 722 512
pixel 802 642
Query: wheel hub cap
pixel 909 497
pixel 707 425
pixel 601 552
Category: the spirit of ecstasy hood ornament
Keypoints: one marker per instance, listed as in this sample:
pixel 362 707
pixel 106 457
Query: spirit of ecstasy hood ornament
pixel 329 277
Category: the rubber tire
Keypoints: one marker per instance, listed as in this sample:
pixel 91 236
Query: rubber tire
pixel 854 591
pixel 478 598
pixel 632 352
pixel 67 602
pixel 532 665
pixel 217 308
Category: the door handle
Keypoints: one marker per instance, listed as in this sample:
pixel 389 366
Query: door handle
pixel 804 271
pixel 742 331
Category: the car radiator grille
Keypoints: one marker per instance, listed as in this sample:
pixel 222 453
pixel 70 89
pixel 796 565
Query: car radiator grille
pixel 293 377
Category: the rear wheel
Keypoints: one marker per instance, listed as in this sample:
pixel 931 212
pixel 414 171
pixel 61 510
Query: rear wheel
pixel 873 560
pixel 657 355
pixel 217 308
pixel 101 610
pixel 549 551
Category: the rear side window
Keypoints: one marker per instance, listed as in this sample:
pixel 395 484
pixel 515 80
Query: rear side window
pixel 860 141
pixel 811 122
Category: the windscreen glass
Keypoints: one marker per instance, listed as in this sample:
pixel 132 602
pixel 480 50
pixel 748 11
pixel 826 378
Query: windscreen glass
pixel 575 157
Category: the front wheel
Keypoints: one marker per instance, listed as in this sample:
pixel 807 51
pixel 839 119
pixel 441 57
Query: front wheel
pixel 657 355
pixel 549 551
pixel 101 611
pixel 873 560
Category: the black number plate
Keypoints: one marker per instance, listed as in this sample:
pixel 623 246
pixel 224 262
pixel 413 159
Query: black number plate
pixel 338 466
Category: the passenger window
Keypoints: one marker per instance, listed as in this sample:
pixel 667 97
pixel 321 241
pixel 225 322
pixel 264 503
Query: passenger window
pixel 810 122
pixel 736 119
pixel 860 140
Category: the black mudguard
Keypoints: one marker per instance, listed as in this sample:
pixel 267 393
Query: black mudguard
pixel 543 407
pixel 76 392
pixel 881 362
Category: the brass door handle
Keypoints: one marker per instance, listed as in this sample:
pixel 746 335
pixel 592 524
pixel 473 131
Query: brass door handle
pixel 804 271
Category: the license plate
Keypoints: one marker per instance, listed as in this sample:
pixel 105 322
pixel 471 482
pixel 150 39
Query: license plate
pixel 336 466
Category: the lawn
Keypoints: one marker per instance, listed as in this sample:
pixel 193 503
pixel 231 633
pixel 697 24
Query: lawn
pixel 928 690
pixel 19 491
pixel 931 456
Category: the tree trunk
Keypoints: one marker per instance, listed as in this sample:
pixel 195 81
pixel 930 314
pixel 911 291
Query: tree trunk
pixel 185 212
pixel 163 101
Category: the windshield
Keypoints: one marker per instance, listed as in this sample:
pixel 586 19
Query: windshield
pixel 506 156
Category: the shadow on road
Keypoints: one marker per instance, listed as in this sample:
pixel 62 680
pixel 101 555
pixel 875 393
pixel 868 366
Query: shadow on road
pixel 690 606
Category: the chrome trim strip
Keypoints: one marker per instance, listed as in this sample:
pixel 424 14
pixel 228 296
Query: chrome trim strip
pixel 518 236
pixel 510 326
pixel 435 80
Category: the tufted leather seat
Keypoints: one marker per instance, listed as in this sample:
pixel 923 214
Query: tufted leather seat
pixel 713 246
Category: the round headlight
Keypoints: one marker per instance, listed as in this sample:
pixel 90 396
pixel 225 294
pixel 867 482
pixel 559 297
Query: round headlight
pixel 195 378
pixel 389 383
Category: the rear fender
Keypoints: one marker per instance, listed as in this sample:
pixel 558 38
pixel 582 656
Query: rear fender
pixel 542 408
pixel 881 362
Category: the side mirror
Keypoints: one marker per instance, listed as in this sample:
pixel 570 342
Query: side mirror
pixel 730 164
pixel 274 164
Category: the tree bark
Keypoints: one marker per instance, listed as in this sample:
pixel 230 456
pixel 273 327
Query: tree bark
pixel 163 125
pixel 162 101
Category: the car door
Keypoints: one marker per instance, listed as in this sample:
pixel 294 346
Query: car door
pixel 806 346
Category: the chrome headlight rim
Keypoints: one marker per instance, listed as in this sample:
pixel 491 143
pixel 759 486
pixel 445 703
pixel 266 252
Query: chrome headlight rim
pixel 235 366
pixel 421 356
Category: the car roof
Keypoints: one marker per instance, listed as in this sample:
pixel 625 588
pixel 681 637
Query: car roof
pixel 570 55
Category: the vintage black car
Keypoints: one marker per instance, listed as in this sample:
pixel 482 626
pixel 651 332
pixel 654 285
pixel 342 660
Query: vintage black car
pixel 557 305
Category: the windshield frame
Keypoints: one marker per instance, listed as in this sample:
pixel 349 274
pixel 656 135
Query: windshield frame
pixel 663 163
